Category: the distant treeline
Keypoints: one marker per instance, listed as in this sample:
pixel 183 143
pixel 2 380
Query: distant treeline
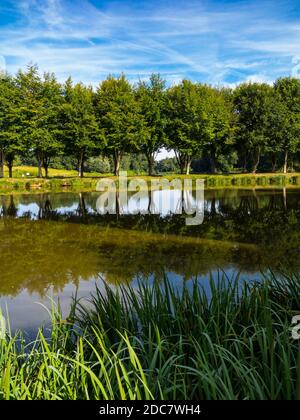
pixel 219 129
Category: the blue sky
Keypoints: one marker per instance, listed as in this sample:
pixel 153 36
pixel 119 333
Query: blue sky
pixel 214 41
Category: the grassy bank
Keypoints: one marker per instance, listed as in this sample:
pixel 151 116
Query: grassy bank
pixel 31 172
pixel 25 180
pixel 230 343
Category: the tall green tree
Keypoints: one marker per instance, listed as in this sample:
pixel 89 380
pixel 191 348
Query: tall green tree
pixel 52 146
pixel 278 130
pixel 119 118
pixel 288 90
pixel 253 106
pixel 217 124
pixel 151 97
pixel 10 127
pixel 184 129
pixel 40 100
pixel 77 123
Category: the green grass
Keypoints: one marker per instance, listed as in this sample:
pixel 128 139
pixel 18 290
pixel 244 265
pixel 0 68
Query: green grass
pixel 32 172
pixel 154 342
pixel 25 180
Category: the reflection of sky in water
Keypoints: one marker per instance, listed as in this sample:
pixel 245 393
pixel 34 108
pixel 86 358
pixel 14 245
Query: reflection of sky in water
pixel 29 311
pixel 31 208
pixel 163 203
pixel 64 210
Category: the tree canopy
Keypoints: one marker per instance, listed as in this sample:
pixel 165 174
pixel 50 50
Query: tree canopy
pixel 255 126
pixel 119 119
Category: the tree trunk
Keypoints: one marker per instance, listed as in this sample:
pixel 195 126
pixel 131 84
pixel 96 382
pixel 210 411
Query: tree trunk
pixel 256 163
pixel 46 163
pixel 213 167
pixel 117 162
pixel 285 165
pixel 1 164
pixel 245 165
pixel 274 164
pixel 40 167
pixel 81 165
pixel 188 166
pixel 46 169
pixel 151 160
pixel 82 169
pixel 182 168
pixel 181 162
pixel 10 169
pixel 183 159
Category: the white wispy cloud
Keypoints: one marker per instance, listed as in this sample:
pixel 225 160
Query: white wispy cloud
pixel 212 42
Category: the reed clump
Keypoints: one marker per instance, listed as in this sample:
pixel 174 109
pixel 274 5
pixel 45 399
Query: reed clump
pixel 231 340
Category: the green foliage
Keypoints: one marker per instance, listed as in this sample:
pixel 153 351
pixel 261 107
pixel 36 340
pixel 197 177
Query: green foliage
pixel 167 165
pixel 79 130
pixel 287 91
pixel 152 102
pixel 200 121
pixel 218 127
pixel 136 163
pixel 40 100
pixel 98 164
pixel 185 129
pixel 119 119
pixel 10 123
pixel 253 106
pixel 255 126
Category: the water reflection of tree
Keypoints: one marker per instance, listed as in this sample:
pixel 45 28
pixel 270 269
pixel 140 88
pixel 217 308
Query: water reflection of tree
pixel 82 209
pixel 8 207
pixel 45 207
pixel 38 255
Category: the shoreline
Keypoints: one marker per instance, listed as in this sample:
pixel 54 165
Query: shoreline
pixel 88 184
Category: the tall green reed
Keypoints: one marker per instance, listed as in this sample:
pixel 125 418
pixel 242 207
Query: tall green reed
pixel 230 341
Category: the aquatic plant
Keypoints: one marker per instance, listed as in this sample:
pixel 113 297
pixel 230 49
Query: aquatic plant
pixel 230 341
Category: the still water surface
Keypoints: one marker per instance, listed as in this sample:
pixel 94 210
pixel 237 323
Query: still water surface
pixel 51 244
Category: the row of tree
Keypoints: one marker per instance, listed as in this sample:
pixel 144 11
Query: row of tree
pixel 43 118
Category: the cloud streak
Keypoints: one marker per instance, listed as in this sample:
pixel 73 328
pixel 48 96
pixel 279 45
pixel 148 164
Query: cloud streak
pixel 211 41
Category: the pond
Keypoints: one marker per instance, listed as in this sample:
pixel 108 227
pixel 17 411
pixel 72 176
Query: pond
pixel 54 244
